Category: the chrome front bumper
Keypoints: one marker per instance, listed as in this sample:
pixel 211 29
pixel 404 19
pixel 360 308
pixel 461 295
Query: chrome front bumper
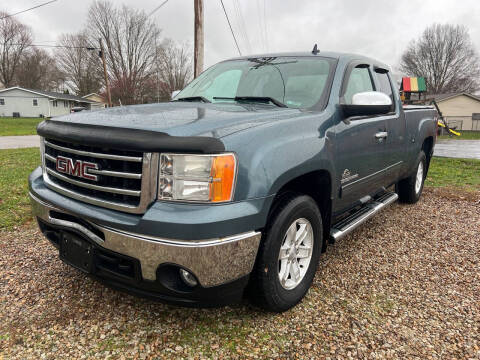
pixel 213 261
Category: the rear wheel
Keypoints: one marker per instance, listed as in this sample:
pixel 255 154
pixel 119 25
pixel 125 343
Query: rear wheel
pixel 410 189
pixel 288 255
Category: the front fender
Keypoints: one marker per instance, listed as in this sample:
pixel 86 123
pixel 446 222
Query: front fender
pixel 271 156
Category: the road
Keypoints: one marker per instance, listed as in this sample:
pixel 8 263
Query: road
pixel 15 142
pixel 469 149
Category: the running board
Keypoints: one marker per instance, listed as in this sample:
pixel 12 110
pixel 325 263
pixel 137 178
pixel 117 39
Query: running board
pixel 354 220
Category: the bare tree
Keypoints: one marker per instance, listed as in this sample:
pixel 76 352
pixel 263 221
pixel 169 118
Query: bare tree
pixel 15 37
pixel 81 66
pixel 130 38
pixel 445 57
pixel 38 70
pixel 174 67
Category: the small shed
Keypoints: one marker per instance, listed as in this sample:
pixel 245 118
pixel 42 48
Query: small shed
pixel 97 99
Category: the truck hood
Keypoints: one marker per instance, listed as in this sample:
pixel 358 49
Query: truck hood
pixel 184 119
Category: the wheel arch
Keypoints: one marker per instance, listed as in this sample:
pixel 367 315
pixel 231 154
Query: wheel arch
pixel 316 184
pixel 427 147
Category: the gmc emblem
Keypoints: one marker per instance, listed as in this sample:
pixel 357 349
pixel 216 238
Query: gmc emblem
pixel 76 168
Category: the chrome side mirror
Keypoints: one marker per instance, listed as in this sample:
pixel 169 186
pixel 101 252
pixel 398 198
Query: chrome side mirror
pixel 371 98
pixel 367 103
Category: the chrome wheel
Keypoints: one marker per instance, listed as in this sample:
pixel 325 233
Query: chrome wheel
pixel 419 178
pixel 295 253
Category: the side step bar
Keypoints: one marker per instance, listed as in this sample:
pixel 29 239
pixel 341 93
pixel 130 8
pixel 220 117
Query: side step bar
pixel 354 220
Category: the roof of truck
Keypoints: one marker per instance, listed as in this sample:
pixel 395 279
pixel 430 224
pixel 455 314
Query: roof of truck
pixel 333 55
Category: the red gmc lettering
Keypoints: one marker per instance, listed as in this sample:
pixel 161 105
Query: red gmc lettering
pixel 76 168
pixel 61 165
pixel 85 173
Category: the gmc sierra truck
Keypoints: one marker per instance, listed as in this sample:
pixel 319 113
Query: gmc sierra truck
pixel 238 184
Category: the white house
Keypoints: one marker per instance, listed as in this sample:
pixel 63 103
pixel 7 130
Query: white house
pixel 17 101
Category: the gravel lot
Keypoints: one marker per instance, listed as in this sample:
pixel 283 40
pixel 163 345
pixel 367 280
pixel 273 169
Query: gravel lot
pixel 405 285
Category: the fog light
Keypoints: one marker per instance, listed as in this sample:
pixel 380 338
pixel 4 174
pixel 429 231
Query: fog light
pixel 188 278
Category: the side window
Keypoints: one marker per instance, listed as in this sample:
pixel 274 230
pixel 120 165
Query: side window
pixel 35 102
pixel 359 81
pixel 2 101
pixel 384 84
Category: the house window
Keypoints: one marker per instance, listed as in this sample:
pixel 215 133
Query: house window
pixel 65 103
pixel 54 103
pixel 35 102
pixel 2 101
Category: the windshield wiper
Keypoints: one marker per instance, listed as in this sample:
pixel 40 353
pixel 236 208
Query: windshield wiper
pixel 223 98
pixel 263 99
pixel 194 98
pixel 269 61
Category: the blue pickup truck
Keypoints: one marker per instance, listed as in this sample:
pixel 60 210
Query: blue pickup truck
pixel 237 185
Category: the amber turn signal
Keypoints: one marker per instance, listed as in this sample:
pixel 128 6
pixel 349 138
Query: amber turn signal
pixel 223 178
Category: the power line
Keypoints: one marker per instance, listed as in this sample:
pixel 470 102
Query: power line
pixel 261 33
pixel 158 7
pixel 35 7
pixel 241 24
pixel 230 25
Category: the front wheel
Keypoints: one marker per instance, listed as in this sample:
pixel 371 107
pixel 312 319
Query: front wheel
pixel 289 254
pixel 410 189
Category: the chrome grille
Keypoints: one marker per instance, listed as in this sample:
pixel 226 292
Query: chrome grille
pixel 125 180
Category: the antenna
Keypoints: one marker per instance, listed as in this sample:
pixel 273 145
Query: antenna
pixel 315 50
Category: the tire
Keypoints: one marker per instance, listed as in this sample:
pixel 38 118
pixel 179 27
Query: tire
pixel 410 189
pixel 300 216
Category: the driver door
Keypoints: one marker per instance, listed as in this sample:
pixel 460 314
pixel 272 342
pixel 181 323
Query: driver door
pixel 359 149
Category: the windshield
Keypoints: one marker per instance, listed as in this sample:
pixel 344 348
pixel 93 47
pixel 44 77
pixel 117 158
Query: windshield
pixel 297 82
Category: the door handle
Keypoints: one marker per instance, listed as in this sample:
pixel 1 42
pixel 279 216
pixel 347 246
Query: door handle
pixel 381 134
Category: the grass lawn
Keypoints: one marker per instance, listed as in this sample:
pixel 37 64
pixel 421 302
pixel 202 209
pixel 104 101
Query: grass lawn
pixel 464 173
pixel 18 126
pixel 16 165
pixel 467 135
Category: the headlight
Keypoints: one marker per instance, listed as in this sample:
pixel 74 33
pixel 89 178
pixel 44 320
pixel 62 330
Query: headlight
pixel 208 178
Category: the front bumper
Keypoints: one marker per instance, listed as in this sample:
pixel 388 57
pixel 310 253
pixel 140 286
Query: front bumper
pixel 214 262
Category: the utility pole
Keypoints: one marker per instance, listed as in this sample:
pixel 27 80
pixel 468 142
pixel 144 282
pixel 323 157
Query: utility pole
pixel 158 71
pixel 198 52
pixel 102 55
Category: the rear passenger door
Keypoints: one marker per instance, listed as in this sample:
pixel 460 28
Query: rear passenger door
pixel 395 142
pixel 360 158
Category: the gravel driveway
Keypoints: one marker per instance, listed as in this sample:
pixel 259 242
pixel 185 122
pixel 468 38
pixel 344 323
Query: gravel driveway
pixel 405 285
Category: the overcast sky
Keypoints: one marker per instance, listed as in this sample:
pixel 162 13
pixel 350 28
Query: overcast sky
pixel 380 28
